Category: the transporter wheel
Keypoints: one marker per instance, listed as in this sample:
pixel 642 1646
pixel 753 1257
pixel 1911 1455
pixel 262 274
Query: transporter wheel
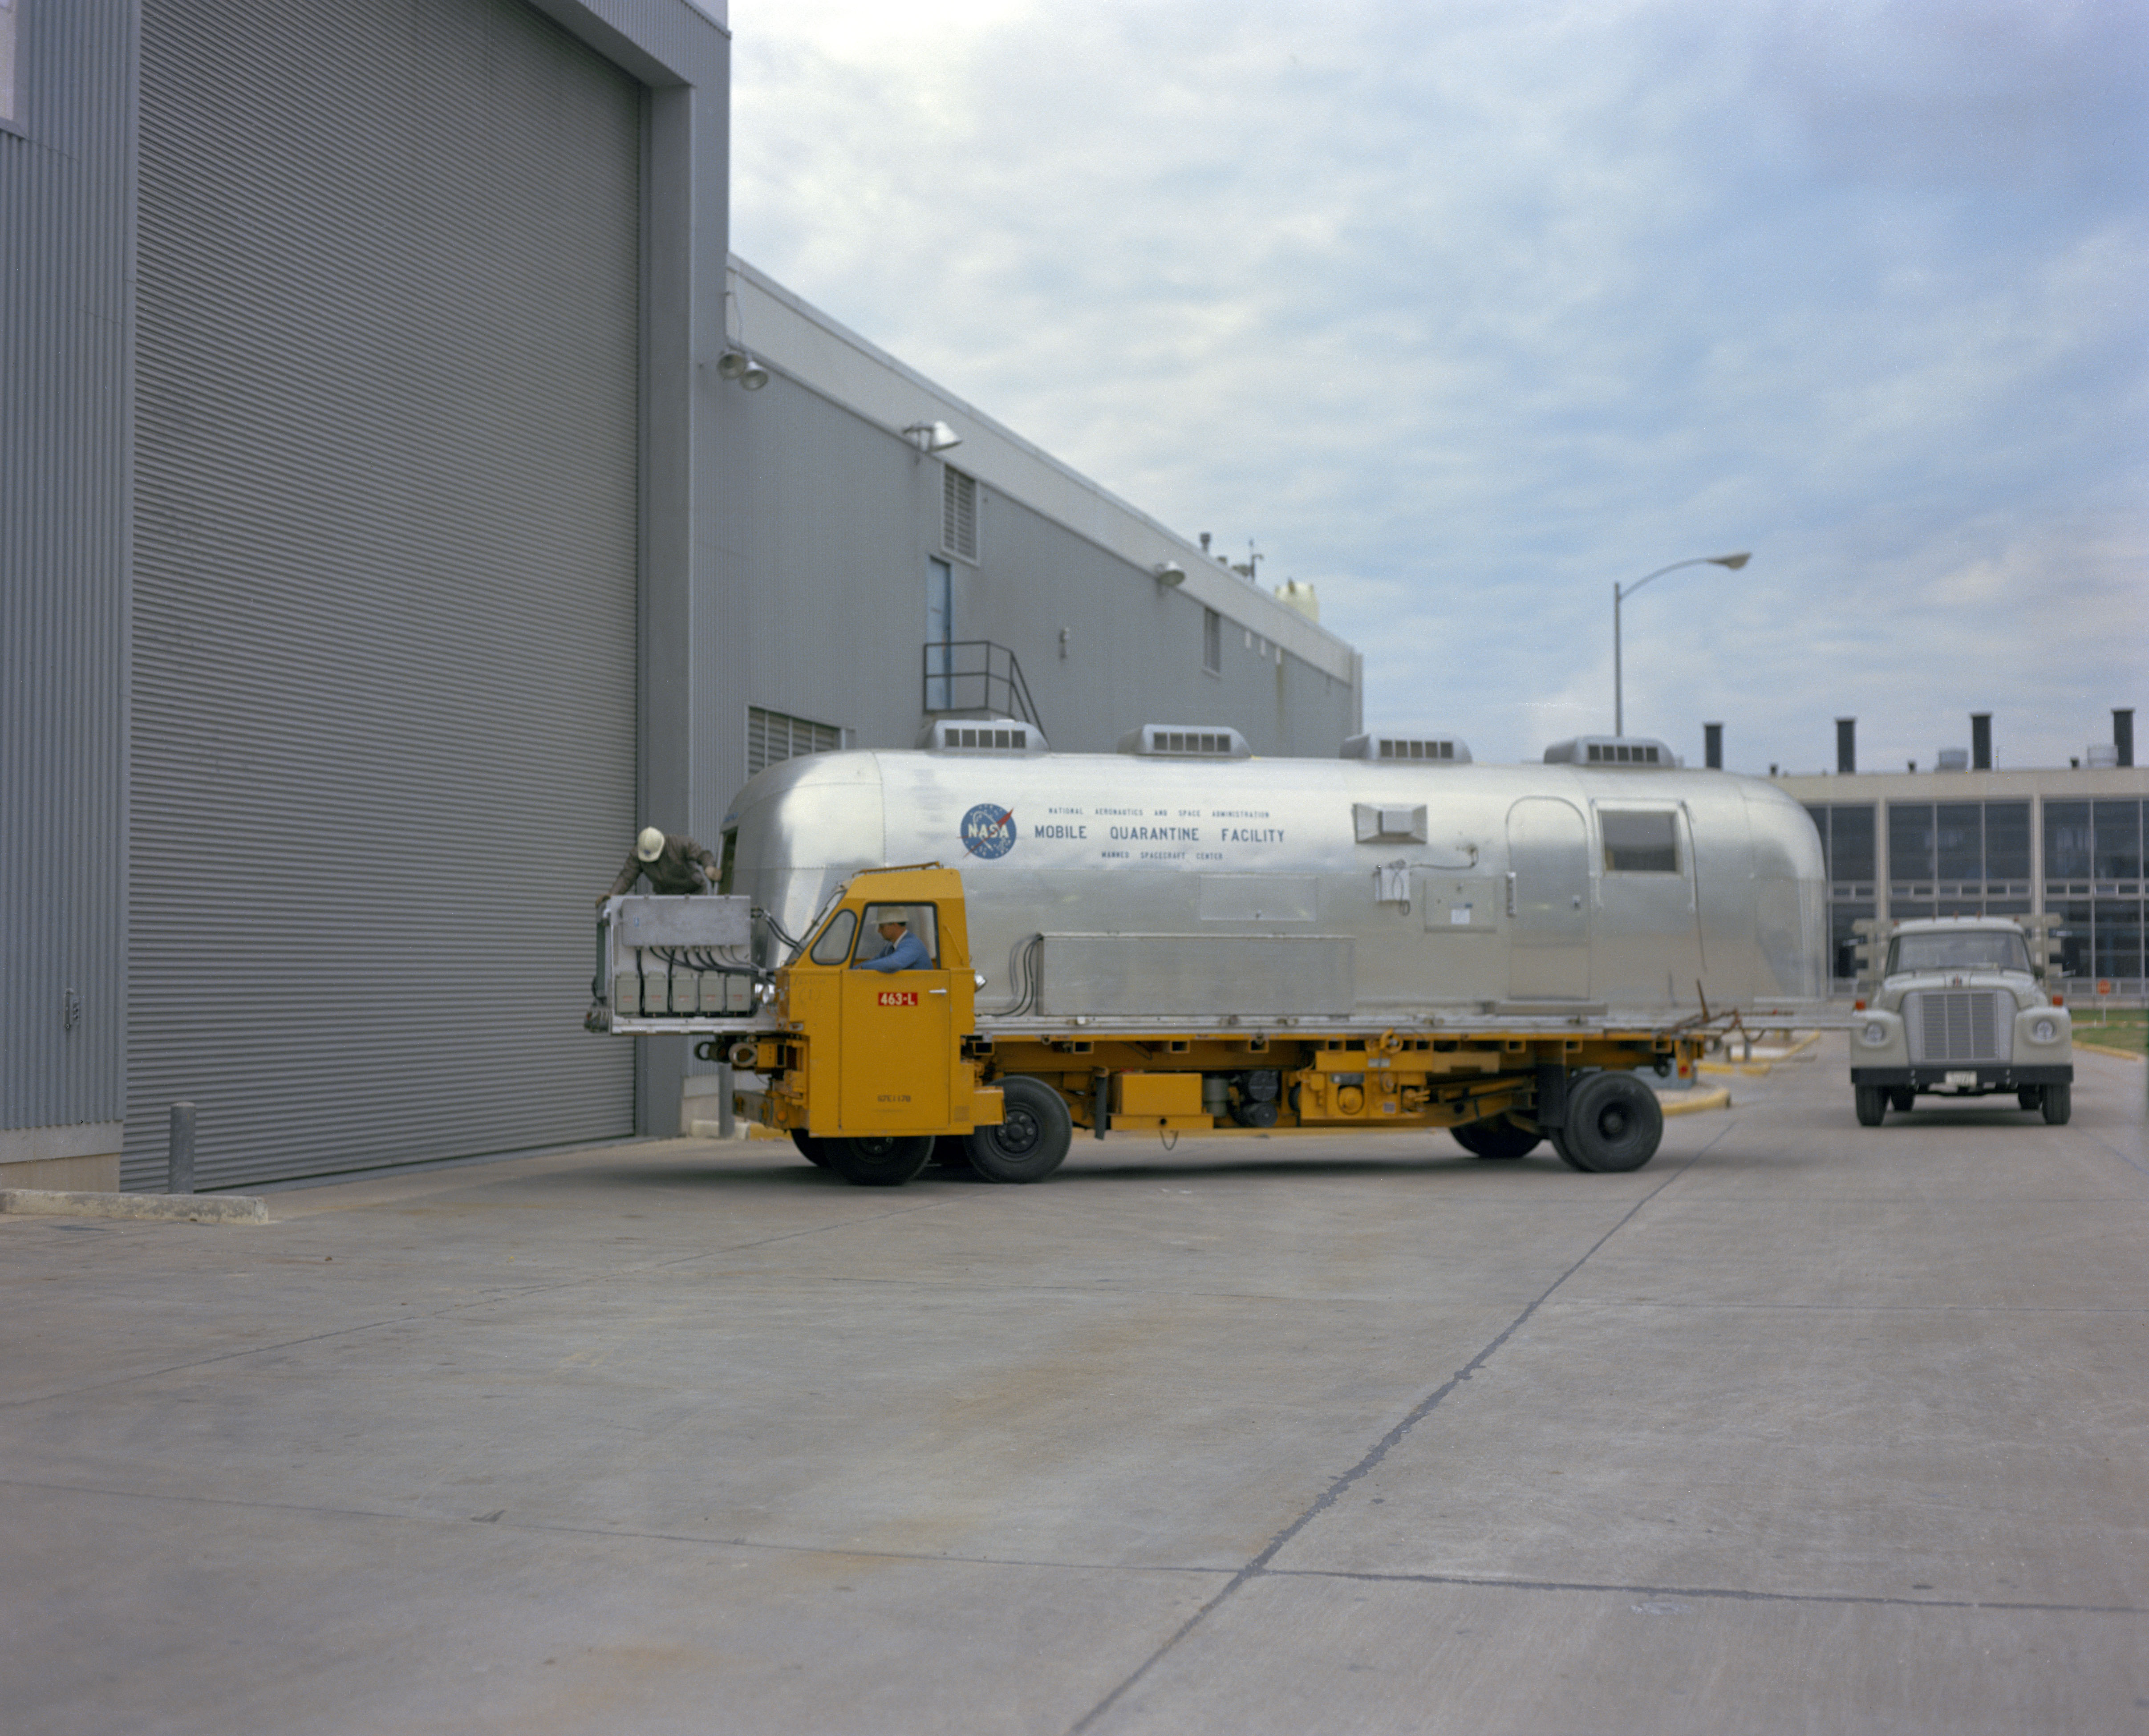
pixel 1033 1137
pixel 1871 1103
pixel 1615 1123
pixel 812 1150
pixel 887 1161
pixel 1901 1099
pixel 1496 1137
pixel 1557 1138
pixel 2059 1104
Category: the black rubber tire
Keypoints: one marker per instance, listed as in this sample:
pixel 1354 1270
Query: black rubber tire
pixel 2029 1097
pixel 811 1148
pixel 950 1151
pixel 2059 1104
pixel 1901 1099
pixel 1871 1103
pixel 1032 1138
pixel 1615 1123
pixel 1496 1137
pixel 887 1161
pixel 1557 1138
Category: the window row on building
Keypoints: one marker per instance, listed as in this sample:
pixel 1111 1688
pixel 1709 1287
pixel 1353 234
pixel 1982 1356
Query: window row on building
pixel 1909 859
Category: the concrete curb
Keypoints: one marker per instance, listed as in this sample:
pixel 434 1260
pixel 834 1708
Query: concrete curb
pixel 1720 1099
pixel 155 1208
pixel 2124 1055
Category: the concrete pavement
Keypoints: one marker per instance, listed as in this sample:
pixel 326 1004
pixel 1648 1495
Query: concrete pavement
pixel 1803 1427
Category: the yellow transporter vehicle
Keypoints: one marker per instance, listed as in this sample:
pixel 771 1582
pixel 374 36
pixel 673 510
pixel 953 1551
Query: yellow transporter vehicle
pixel 1157 941
pixel 869 1072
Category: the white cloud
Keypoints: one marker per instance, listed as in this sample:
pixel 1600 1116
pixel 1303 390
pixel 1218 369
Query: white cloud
pixel 1464 312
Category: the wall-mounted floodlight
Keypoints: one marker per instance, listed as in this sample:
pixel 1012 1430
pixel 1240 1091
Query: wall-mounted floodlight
pixel 932 436
pixel 1168 574
pixel 738 365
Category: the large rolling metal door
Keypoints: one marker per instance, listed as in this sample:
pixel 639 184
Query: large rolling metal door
pixel 383 639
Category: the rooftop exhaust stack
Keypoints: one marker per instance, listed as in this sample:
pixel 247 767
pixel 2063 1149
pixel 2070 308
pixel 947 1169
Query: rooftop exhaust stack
pixel 1712 746
pixel 1980 741
pixel 2122 734
pixel 1846 746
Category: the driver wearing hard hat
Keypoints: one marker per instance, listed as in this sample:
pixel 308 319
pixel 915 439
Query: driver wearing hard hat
pixel 905 950
pixel 674 865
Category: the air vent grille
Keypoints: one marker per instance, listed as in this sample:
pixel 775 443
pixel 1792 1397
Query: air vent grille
pixel 1408 750
pixel 959 513
pixel 1610 751
pixel 1173 741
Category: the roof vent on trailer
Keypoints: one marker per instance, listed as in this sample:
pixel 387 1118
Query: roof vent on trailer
pixel 983 735
pixel 1417 750
pixel 1160 741
pixel 1610 751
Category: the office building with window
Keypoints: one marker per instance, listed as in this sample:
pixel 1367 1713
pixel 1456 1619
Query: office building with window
pixel 1986 842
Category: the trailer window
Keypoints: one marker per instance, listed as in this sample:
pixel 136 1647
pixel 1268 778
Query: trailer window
pixel 918 918
pixel 1640 843
pixel 834 945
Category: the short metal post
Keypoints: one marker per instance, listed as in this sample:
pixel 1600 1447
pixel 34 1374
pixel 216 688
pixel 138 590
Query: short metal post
pixel 1100 1111
pixel 179 1162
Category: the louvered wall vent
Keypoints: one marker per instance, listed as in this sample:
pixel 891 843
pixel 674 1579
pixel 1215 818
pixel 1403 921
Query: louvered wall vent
pixel 959 513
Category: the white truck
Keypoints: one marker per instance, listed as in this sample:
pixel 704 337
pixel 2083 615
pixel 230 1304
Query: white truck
pixel 1961 1010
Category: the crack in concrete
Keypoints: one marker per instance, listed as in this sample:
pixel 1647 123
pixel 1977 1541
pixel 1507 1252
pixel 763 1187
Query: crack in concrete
pixel 1258 1568
pixel 1698 1593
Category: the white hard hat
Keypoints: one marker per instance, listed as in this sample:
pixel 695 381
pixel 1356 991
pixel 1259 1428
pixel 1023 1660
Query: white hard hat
pixel 896 917
pixel 649 845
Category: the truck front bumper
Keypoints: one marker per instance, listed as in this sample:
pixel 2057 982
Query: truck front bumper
pixel 1988 1078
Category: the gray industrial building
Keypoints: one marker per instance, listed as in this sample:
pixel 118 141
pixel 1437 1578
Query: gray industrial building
pixel 404 496
pixel 1962 836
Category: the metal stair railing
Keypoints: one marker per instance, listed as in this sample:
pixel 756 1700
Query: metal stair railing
pixel 972 675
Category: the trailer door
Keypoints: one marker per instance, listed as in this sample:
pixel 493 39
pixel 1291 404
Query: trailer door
pixel 1547 900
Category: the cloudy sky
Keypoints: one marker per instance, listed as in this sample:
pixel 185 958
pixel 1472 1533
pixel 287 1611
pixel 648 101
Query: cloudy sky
pixel 1464 309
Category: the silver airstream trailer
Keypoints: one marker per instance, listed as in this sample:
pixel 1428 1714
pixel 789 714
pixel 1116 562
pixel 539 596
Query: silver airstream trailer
pixel 1113 888
pixel 1180 936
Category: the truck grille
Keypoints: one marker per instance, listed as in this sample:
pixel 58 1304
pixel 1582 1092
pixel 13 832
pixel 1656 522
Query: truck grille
pixel 1948 1026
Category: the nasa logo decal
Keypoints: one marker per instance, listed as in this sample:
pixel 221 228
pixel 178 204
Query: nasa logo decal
pixel 988 831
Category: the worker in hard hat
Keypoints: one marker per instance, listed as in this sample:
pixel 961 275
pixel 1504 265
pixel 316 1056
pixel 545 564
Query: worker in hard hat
pixel 905 950
pixel 673 865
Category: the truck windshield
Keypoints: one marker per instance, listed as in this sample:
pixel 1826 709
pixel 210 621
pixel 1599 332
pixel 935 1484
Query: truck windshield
pixel 1973 949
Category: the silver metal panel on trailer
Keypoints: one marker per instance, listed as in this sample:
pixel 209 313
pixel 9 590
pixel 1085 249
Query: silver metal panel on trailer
pixel 1542 892
pixel 1194 976
pixel 387 519
pixel 66 232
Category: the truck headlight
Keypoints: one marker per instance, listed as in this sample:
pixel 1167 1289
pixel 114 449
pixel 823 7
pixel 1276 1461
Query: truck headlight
pixel 1873 1035
pixel 2044 1031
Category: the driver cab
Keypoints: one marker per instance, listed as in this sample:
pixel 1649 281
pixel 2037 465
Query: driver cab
pixel 892 1037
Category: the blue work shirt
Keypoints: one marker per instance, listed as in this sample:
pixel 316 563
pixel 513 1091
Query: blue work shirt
pixel 908 954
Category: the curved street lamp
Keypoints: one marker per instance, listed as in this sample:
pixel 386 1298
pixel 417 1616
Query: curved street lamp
pixel 1618 691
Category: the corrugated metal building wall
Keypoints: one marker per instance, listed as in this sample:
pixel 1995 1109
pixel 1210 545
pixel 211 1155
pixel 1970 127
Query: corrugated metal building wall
pixel 386 543
pixel 826 564
pixel 66 179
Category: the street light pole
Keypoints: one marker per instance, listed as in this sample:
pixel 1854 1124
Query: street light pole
pixel 1618 593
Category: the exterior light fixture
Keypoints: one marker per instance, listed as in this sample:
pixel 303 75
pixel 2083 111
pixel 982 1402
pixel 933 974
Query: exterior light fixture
pixel 1170 574
pixel 738 365
pixel 1619 593
pixel 932 436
